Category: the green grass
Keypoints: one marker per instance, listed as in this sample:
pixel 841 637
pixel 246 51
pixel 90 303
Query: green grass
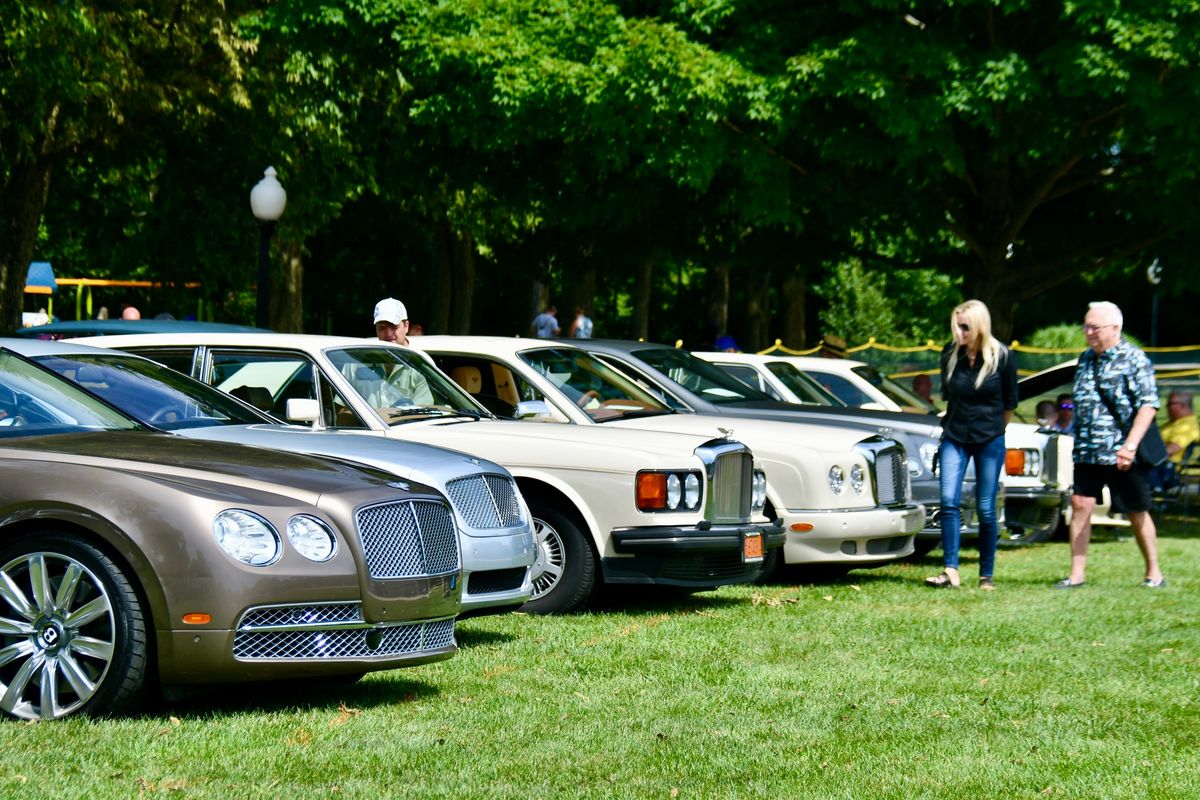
pixel 871 686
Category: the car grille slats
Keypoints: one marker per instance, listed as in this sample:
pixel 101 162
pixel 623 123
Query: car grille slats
pixel 331 632
pixel 486 501
pixel 732 473
pixel 889 471
pixel 408 539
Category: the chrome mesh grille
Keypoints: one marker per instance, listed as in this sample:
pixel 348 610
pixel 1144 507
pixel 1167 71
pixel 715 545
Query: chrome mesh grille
pixel 891 477
pixel 408 539
pixel 328 614
pixel 731 486
pixel 486 501
pixel 335 644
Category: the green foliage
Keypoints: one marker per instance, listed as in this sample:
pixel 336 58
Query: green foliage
pixel 861 303
pixel 1059 337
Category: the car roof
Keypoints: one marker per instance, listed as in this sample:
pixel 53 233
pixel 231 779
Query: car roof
pixel 301 341
pixel 1063 375
pixel 31 348
pixel 815 363
pixel 507 345
pixel 113 327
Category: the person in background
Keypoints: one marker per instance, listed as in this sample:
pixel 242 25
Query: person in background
pixel 727 344
pixel 979 385
pixel 922 386
pixel 1116 399
pixel 545 324
pixel 1180 430
pixel 391 321
pixel 581 326
pixel 1066 414
pixel 1047 414
pixel 130 312
pixel 416 329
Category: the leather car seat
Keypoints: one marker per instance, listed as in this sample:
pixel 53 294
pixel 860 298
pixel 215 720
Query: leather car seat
pixel 468 378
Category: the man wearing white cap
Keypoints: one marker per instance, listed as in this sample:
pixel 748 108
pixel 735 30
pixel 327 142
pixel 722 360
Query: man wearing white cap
pixel 391 321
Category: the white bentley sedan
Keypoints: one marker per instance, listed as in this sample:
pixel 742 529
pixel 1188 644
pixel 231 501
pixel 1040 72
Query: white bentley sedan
pixel 844 499
pixel 613 506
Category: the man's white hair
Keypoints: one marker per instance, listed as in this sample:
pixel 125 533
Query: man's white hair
pixel 1110 311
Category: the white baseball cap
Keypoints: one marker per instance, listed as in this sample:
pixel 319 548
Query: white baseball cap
pixel 390 310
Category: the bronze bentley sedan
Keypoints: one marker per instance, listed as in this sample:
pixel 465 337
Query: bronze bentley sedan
pixel 130 557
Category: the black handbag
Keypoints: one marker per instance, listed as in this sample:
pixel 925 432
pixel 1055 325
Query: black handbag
pixel 1152 451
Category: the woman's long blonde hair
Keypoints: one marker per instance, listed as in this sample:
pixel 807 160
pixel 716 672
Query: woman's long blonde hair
pixel 980 321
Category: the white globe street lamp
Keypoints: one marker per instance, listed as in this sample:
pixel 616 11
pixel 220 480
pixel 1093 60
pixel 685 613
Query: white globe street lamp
pixel 267 201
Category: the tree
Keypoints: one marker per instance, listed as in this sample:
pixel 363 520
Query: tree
pixel 80 75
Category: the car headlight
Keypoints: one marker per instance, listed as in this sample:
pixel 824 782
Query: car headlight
pixel 857 477
pixel 246 537
pixel 837 479
pixel 691 490
pixel 311 537
pixel 1023 461
pixel 759 495
pixel 668 491
pixel 928 452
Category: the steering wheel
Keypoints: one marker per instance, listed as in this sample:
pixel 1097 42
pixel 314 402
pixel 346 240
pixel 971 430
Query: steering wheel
pixel 587 397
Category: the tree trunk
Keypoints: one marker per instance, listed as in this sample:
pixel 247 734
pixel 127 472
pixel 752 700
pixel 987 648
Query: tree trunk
pixel 991 282
pixel 641 299
pixel 757 309
pixel 287 303
pixel 795 318
pixel 717 323
pixel 437 318
pixel 463 288
pixel 582 290
pixel 21 203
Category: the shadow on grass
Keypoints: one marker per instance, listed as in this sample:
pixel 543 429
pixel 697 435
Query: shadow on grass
pixel 467 636
pixel 330 694
pixel 657 600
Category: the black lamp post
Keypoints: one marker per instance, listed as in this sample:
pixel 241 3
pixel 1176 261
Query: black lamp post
pixel 1154 275
pixel 267 201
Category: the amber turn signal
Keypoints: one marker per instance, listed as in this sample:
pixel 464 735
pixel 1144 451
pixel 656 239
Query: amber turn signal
pixel 651 491
pixel 1014 461
pixel 197 618
pixel 801 527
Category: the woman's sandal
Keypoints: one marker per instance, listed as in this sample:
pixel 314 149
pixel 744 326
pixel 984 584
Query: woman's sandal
pixel 942 581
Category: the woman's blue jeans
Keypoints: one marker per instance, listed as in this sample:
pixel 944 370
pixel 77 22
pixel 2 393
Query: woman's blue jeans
pixel 989 458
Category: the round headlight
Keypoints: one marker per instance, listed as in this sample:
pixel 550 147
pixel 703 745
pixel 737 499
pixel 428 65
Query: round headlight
pixel 691 490
pixel 311 537
pixel 674 491
pixel 246 537
pixel 1034 462
pixel 856 478
pixel 837 479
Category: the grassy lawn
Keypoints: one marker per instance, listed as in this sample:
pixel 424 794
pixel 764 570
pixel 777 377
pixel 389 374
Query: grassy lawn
pixel 870 686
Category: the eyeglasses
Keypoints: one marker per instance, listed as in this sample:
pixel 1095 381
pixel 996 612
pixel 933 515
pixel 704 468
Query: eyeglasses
pixel 1097 328
pixel 964 328
pixel 1066 405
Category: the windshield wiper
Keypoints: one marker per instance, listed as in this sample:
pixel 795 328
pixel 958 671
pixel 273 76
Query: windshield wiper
pixel 402 413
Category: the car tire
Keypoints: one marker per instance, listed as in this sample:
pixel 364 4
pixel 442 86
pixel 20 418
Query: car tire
pixel 1019 537
pixel 772 568
pixel 77 625
pixel 923 547
pixel 564 572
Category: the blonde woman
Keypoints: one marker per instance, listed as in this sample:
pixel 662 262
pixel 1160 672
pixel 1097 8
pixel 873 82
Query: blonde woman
pixel 979 385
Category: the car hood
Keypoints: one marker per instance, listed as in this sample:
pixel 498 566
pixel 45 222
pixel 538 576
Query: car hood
pixel 929 425
pixel 795 440
pixel 552 445
pixel 174 458
pixel 436 466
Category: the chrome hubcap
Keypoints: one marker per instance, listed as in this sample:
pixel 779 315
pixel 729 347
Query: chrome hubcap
pixel 551 556
pixel 57 635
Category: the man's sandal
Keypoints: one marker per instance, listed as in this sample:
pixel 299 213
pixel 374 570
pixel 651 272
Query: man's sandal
pixel 987 584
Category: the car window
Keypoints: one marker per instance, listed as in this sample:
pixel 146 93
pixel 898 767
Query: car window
pixel 907 400
pixel 697 375
pixel 603 393
pixel 751 377
pixel 806 389
pixel 150 391
pixel 492 383
pixel 400 384
pixel 644 381
pixel 179 359
pixel 36 401
pixel 843 389
pixel 267 380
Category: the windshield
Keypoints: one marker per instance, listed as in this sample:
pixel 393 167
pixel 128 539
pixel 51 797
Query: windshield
pixel 151 392
pixel 807 390
pixel 697 375
pixel 602 392
pixel 34 401
pixel 907 400
pixel 401 385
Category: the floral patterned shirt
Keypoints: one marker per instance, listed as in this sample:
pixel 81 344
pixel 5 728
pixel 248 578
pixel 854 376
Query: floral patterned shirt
pixel 1126 377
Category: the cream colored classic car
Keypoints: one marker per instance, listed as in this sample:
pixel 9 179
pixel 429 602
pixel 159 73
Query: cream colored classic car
pixel 844 498
pixel 618 506
pixel 1038 471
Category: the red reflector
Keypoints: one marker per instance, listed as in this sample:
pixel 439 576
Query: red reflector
pixel 1014 462
pixel 197 618
pixel 651 491
pixel 801 527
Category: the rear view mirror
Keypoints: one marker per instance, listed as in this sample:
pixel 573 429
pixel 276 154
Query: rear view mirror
pixel 303 409
pixel 533 409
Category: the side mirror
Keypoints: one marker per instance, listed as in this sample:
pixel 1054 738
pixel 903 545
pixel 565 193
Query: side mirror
pixel 303 409
pixel 533 409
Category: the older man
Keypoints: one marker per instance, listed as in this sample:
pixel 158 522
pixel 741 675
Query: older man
pixel 1115 402
pixel 391 321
